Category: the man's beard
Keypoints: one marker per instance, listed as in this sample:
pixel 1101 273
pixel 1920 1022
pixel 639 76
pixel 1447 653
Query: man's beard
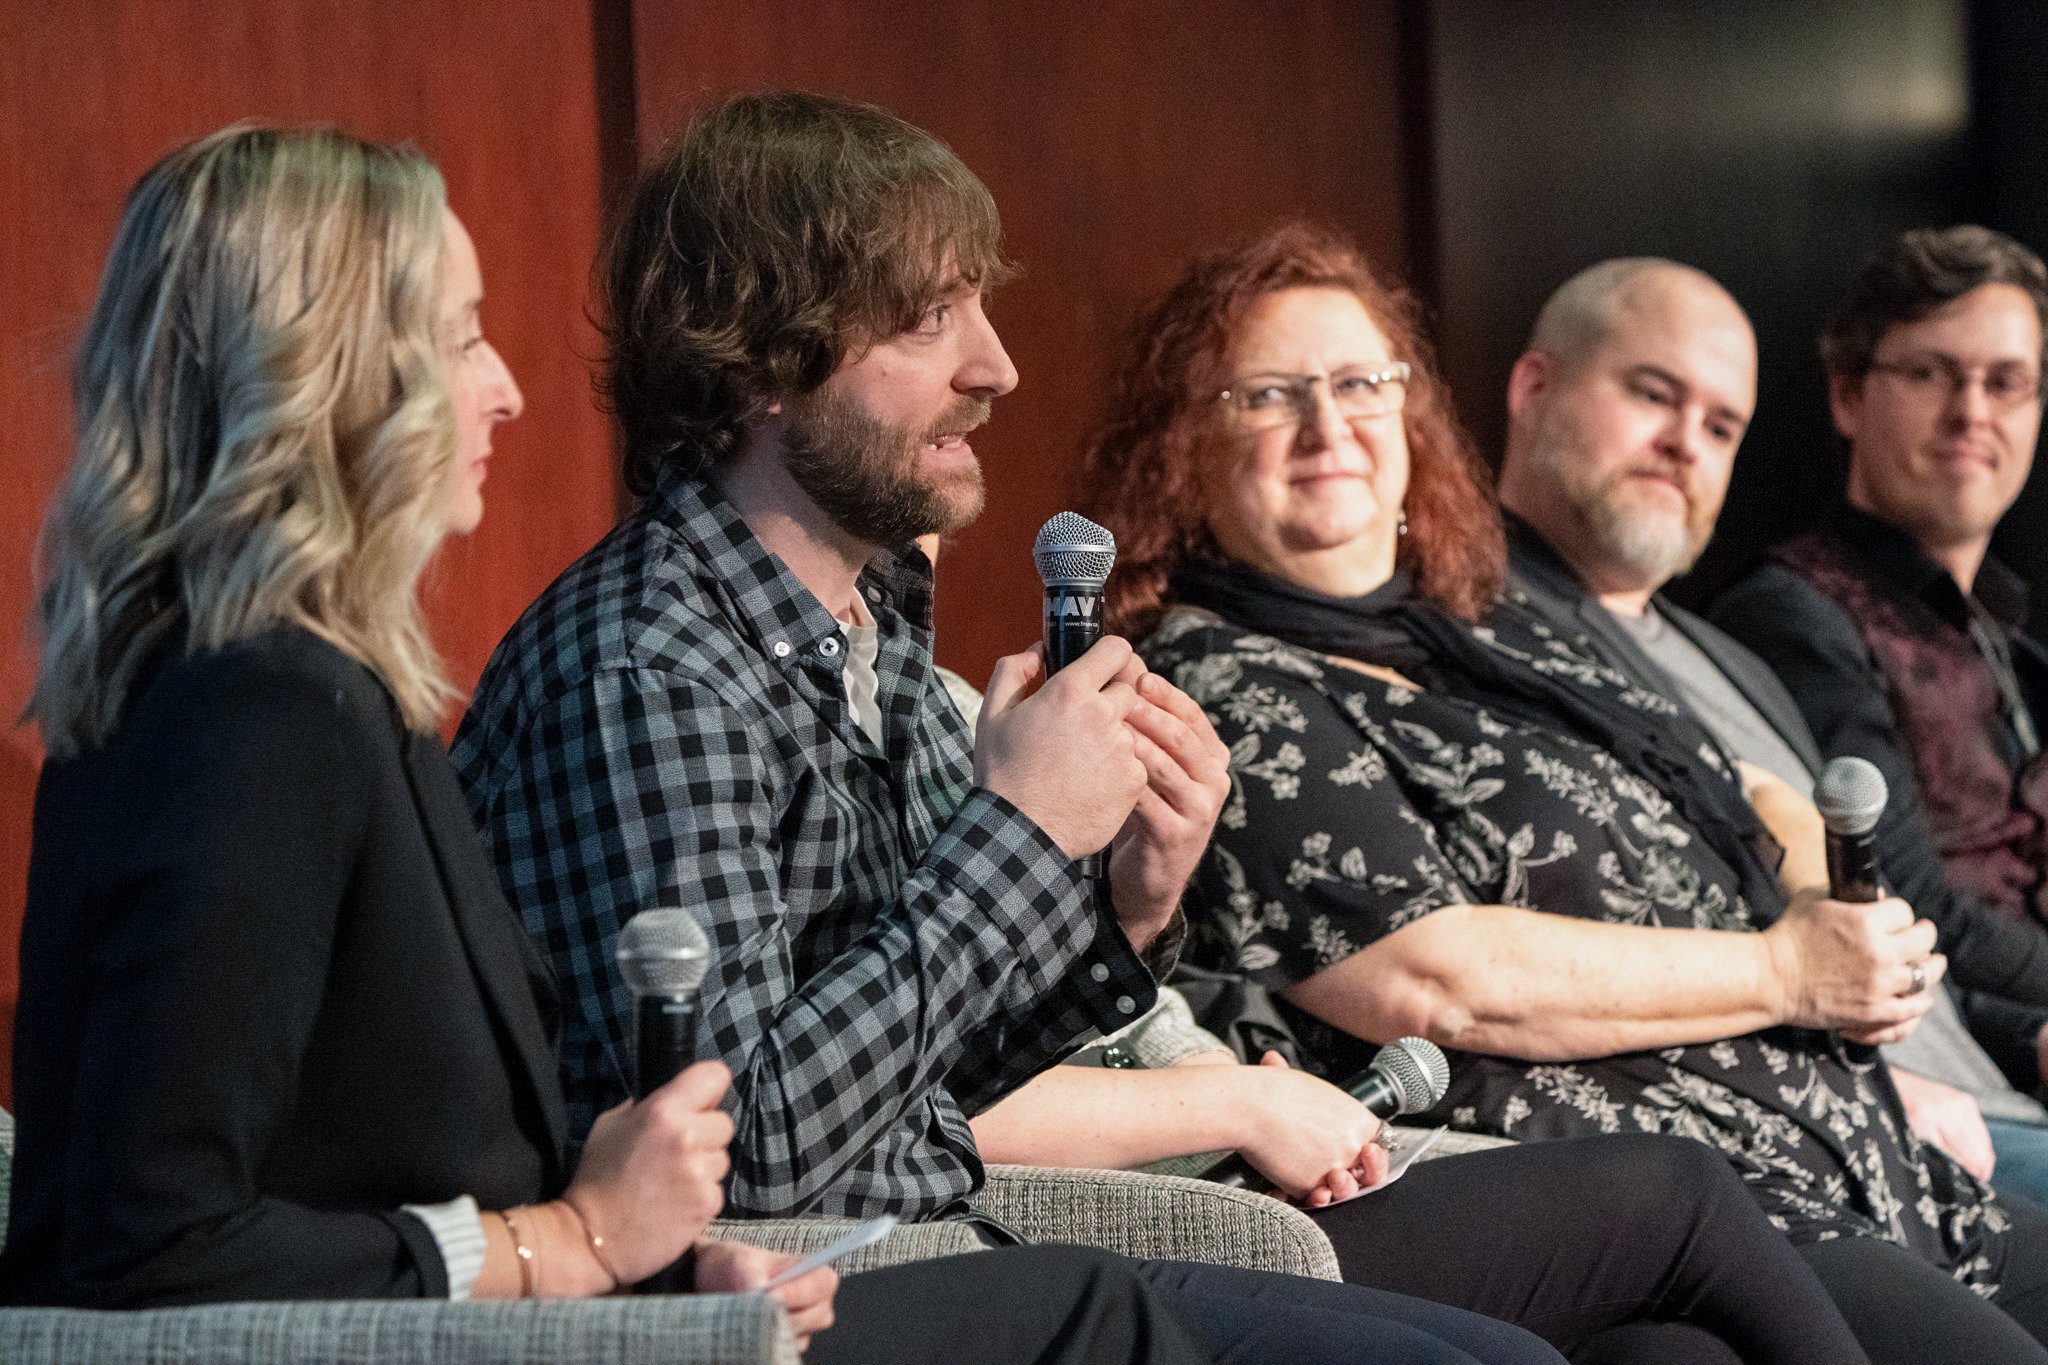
pixel 1652 547
pixel 863 472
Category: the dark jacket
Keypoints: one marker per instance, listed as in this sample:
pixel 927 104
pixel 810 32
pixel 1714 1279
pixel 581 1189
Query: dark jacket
pixel 1555 591
pixel 1881 644
pixel 270 992
pixel 2000 969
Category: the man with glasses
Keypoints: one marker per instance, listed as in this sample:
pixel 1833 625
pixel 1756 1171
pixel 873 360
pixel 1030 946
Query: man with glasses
pixel 1625 413
pixel 1899 637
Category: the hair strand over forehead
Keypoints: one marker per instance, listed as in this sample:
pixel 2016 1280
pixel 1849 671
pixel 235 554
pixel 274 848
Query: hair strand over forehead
pixel 777 235
pixel 1915 274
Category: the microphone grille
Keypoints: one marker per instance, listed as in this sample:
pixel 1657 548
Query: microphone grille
pixel 1418 1069
pixel 1850 794
pixel 663 952
pixel 1072 550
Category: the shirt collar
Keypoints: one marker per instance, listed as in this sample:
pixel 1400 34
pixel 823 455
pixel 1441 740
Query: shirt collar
pixel 1534 557
pixel 770 605
pixel 1898 558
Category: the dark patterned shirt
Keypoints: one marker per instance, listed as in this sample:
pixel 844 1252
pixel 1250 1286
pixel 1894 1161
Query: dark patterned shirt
pixel 1890 659
pixel 667 726
pixel 1359 806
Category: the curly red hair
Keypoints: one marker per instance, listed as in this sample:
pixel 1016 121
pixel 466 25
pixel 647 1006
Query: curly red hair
pixel 1140 472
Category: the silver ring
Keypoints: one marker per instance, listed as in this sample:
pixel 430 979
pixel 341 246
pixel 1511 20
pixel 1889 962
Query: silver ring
pixel 1919 979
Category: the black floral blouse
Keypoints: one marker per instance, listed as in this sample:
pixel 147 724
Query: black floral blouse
pixel 1358 806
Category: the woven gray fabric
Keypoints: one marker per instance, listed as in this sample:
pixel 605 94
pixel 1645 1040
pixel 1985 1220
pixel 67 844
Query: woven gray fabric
pixel 798 1236
pixel 1157 1217
pixel 739 1329
pixel 1165 1034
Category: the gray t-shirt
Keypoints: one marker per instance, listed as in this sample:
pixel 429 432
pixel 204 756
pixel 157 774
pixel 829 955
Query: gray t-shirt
pixel 1718 703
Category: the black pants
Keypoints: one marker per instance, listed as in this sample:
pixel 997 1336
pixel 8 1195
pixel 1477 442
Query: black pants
pixel 1905 1310
pixel 1016 1305
pixel 1026 1305
pixel 1574 1239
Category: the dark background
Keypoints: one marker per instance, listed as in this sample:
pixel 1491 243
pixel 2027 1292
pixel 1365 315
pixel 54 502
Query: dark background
pixel 1480 150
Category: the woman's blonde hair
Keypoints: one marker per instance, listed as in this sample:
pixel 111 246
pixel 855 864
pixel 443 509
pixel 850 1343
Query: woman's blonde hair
pixel 264 427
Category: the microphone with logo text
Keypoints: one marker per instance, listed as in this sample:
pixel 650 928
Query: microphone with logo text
pixel 1407 1076
pixel 1074 557
pixel 1851 795
pixel 662 958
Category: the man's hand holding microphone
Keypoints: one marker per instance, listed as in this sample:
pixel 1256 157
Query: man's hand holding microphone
pixel 1096 749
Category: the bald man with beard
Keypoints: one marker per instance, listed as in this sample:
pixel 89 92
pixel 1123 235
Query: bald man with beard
pixel 1624 417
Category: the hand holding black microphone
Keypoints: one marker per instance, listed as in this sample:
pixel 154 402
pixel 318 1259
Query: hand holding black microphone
pixel 1858 961
pixel 1183 765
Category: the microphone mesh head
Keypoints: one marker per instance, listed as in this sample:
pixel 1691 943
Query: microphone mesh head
pixel 1418 1069
pixel 1073 551
pixel 663 952
pixel 1851 795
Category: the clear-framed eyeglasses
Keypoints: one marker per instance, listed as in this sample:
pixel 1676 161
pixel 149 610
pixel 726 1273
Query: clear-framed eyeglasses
pixel 1259 402
pixel 2007 383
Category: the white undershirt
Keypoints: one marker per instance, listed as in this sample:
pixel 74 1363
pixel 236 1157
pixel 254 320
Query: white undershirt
pixel 863 684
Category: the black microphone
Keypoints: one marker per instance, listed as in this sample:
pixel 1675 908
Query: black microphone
pixel 662 959
pixel 1074 557
pixel 1407 1076
pixel 1851 796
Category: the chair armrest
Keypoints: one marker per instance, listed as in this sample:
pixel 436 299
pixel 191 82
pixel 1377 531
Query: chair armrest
pixel 729 1329
pixel 1452 1143
pixel 797 1236
pixel 1158 1217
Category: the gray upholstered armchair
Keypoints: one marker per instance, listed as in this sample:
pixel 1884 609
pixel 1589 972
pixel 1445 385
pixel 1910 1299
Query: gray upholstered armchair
pixel 730 1329
pixel 1158 1213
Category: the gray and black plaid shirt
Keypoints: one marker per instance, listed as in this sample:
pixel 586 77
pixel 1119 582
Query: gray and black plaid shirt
pixel 667 726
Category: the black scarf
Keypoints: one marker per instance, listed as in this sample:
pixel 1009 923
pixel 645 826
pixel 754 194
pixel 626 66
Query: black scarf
pixel 1395 627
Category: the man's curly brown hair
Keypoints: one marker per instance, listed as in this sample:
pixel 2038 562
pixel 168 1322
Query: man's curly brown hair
pixel 779 234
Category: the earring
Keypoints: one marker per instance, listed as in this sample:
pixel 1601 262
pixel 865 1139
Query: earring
pixel 1401 526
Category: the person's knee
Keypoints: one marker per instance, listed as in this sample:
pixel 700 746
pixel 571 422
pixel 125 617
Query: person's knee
pixel 1657 1174
pixel 1078 1270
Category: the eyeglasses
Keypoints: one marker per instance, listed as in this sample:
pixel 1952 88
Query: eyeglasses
pixel 2007 383
pixel 1260 402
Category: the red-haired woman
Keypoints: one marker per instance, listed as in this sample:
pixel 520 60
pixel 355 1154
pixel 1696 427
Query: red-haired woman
pixel 1477 834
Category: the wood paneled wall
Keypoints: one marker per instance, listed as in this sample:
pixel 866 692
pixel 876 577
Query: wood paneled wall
pixel 502 95
pixel 1117 141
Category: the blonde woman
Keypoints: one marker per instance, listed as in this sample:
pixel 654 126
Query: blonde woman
pixel 279 1035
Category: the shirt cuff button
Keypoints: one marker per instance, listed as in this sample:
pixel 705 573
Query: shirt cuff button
pixel 1098 972
pixel 1125 1004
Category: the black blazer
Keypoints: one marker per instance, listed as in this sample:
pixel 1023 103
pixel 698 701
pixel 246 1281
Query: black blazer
pixel 1556 592
pixel 270 991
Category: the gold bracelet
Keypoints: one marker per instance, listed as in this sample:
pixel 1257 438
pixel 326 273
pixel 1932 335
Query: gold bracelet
pixel 529 1263
pixel 596 1244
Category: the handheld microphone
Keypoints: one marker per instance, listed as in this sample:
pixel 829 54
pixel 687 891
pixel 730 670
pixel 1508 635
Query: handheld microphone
pixel 1851 795
pixel 1407 1076
pixel 662 958
pixel 1074 557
